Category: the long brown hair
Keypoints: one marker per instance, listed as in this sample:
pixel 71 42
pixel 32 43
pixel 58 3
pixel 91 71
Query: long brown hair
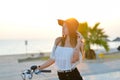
pixel 72 35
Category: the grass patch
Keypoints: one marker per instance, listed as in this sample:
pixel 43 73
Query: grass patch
pixel 112 56
pixel 33 59
pixel 105 58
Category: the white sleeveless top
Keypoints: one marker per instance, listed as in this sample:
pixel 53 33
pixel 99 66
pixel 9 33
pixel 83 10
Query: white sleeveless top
pixel 62 57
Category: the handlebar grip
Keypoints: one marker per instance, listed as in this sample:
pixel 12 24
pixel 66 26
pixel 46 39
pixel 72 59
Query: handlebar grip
pixel 42 71
pixel 45 70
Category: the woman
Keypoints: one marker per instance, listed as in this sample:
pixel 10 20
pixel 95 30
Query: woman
pixel 66 51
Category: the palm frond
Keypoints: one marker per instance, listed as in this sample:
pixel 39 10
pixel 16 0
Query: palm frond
pixel 95 26
pixel 96 36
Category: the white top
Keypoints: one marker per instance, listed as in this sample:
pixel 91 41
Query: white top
pixel 62 57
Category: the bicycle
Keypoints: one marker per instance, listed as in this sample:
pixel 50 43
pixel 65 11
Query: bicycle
pixel 27 74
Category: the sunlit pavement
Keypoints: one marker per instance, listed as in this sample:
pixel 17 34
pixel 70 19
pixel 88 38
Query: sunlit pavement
pixel 90 70
pixel 100 70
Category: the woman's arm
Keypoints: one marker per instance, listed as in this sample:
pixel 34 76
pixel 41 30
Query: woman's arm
pixel 51 60
pixel 82 51
pixel 75 56
pixel 46 64
pixel 77 49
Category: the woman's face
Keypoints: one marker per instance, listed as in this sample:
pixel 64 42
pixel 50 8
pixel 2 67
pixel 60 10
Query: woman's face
pixel 65 29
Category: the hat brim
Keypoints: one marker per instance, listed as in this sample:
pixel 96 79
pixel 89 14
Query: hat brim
pixel 60 22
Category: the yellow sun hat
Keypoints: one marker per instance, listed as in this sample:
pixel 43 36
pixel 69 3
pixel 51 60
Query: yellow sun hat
pixel 71 22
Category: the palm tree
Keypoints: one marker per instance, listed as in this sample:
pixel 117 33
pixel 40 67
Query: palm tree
pixel 93 36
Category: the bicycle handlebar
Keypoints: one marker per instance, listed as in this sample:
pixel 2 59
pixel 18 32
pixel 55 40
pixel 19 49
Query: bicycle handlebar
pixel 28 74
pixel 39 71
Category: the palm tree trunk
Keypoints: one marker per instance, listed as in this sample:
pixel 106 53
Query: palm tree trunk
pixel 90 53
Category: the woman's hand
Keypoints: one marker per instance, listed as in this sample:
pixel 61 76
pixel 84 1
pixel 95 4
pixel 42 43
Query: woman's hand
pixel 34 67
pixel 79 39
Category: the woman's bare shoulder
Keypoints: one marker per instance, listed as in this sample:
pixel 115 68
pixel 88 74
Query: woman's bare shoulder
pixel 57 40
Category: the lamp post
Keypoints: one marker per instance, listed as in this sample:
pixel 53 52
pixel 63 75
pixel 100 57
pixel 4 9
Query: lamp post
pixel 26 43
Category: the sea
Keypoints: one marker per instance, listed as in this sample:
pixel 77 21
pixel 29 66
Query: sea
pixel 10 47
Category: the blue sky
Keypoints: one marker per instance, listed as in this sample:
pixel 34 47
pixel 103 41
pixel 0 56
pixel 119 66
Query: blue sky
pixel 37 19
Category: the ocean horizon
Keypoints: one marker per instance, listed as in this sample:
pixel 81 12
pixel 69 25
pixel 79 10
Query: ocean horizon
pixel 10 47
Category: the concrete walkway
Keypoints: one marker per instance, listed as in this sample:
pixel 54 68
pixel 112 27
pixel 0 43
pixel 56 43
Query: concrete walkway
pixel 93 67
pixel 10 69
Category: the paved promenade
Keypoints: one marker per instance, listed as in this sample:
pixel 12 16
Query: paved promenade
pixel 10 69
pixel 98 67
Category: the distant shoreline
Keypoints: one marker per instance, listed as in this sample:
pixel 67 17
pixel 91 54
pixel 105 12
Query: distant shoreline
pixel 112 51
pixel 24 54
